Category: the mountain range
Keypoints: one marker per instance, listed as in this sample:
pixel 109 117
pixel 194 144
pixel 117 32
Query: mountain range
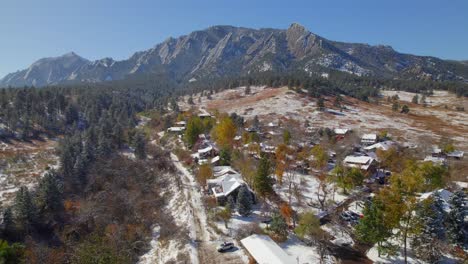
pixel 229 51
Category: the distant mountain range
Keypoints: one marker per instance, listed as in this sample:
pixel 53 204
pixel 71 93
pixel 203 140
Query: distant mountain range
pixel 229 51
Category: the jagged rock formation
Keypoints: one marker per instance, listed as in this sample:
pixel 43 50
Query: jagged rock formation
pixel 227 50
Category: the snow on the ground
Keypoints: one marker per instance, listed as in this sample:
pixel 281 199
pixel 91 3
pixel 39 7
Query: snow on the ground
pixel 340 234
pixel 372 254
pixel 356 206
pixel 302 253
pixel 308 185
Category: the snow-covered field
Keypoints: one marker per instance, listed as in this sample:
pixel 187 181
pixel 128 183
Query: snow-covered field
pixel 23 164
pixel 422 123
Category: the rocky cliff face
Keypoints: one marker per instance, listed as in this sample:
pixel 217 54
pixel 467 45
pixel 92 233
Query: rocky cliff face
pixel 227 50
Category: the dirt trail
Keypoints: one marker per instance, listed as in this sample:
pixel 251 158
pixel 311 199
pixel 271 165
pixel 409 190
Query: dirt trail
pixel 203 237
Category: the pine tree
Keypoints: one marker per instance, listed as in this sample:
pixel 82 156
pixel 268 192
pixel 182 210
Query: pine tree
pixel 24 210
pixel 427 242
pixel 405 109
pixel 415 99
pixel 247 90
pixel 49 196
pixel 278 225
pixel 244 201
pixel 8 223
pixel 321 104
pixel 262 181
pixel 372 228
pixel 104 148
pixel 140 146
pixel 457 228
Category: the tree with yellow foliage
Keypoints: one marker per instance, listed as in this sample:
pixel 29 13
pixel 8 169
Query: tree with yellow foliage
pixel 204 173
pixel 224 132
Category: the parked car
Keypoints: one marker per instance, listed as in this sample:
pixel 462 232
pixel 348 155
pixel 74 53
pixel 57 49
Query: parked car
pixel 225 246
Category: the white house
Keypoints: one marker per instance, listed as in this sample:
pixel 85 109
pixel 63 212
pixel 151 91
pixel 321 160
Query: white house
pixel 435 160
pixel 386 145
pixel 176 129
pixel 265 251
pixel 364 163
pixel 369 139
pixel 341 131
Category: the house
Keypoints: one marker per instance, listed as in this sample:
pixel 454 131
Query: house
pixel 364 163
pixel 385 145
pixel 436 160
pixel 181 123
pixel 456 154
pixel 176 129
pixel 341 131
pixel 264 250
pixel 224 186
pixel 204 115
pixel 219 171
pixel 369 139
pixel 206 152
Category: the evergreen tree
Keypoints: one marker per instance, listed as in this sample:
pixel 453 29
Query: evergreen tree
pixel 104 148
pixel 8 223
pixel 286 137
pixel 457 227
pixel 262 181
pixel 278 225
pixel 256 123
pixel 372 227
pixel 405 109
pixel 140 146
pixel 415 99
pixel 225 157
pixel 24 210
pixel 426 243
pixel 247 90
pixel 244 201
pixel 321 104
pixel 49 196
pixel 395 106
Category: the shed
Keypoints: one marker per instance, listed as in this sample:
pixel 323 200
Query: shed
pixel 265 251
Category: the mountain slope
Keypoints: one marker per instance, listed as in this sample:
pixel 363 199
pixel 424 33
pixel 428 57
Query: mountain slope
pixel 228 51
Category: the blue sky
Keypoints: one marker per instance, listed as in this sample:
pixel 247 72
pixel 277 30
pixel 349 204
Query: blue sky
pixel 32 29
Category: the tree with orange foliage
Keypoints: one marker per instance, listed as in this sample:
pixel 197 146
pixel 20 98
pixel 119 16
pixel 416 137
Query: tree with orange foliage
pixel 288 214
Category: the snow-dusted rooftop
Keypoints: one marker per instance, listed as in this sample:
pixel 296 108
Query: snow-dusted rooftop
pixel 369 137
pixel 435 160
pixel 341 131
pixel 265 251
pixel 386 145
pixel 205 150
pixel 176 129
pixel 226 184
pixel 362 162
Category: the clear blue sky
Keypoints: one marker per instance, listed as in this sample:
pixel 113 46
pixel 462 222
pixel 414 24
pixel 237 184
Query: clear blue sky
pixel 32 29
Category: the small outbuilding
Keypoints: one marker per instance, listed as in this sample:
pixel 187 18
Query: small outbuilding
pixel 264 250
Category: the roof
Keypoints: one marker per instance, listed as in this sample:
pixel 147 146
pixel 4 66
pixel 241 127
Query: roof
pixel 265 251
pixel 341 131
pixel 435 160
pixel 369 137
pixel 456 154
pixel 228 184
pixel 362 162
pixel 223 170
pixel 386 145
pixel 181 123
pixel 215 159
pixel 205 150
pixel 176 129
